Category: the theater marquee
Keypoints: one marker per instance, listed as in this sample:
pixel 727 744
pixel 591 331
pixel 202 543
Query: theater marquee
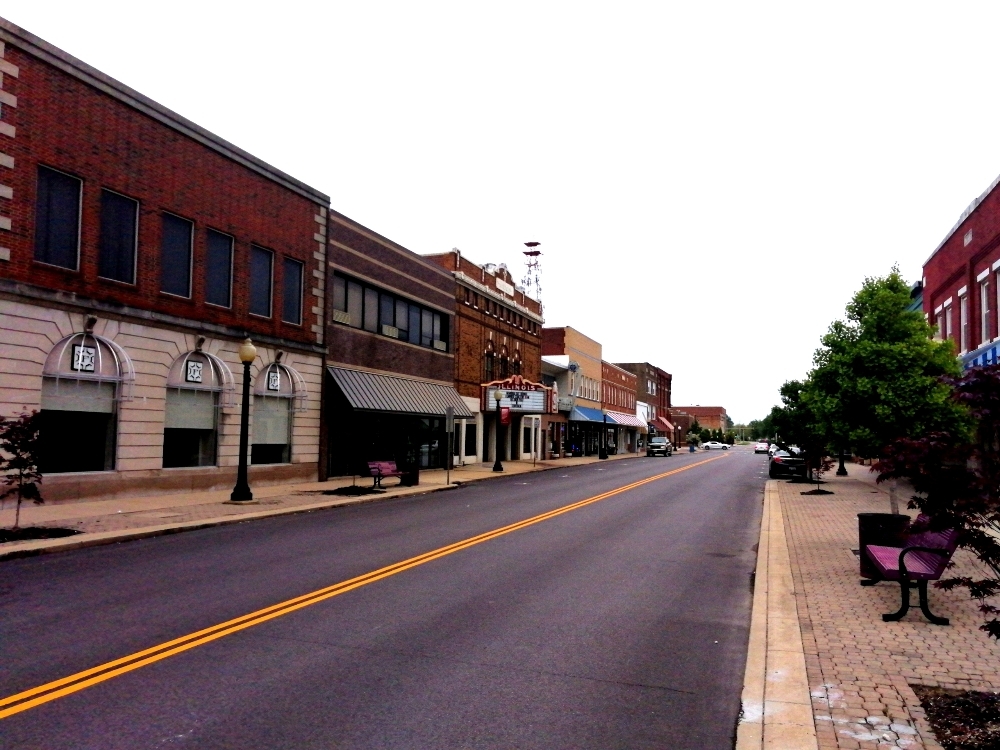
pixel 519 395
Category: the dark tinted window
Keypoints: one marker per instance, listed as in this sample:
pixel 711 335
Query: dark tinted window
pixel 355 301
pixel 57 218
pixel 291 294
pixel 426 328
pixel 339 293
pixel 260 281
pixel 414 332
pixel 371 310
pixel 219 269
pixel 175 256
pixel 387 310
pixel 116 259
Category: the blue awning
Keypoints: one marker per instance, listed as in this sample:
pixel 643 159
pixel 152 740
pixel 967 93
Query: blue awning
pixel 583 414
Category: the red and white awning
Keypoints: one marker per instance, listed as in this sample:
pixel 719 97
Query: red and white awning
pixel 627 420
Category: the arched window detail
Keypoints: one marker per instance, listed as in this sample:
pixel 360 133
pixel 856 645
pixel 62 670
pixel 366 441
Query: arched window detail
pixel 198 383
pixel 281 381
pixel 88 357
pixel 489 364
pixel 83 379
pixel 201 371
pixel 504 363
pixel 279 391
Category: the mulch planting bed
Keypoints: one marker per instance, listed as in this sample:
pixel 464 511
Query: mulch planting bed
pixel 962 719
pixel 34 532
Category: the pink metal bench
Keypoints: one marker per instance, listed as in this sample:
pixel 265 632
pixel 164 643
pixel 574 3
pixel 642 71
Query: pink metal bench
pixel 382 469
pixel 922 558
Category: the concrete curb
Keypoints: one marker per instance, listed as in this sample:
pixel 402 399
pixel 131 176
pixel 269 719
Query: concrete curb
pixel 93 539
pixel 776 704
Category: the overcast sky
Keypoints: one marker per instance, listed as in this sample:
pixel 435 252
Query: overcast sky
pixel 710 182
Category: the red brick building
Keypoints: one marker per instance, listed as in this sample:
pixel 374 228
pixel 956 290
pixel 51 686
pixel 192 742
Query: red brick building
pixel 710 417
pixel 618 400
pixel 497 336
pixel 391 340
pixel 961 281
pixel 653 386
pixel 136 251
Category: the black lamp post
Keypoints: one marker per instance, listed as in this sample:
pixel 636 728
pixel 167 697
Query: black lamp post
pixel 603 451
pixel 498 397
pixel 241 492
pixel 841 470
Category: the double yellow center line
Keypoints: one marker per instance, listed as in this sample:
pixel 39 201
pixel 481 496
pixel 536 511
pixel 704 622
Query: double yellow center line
pixel 51 691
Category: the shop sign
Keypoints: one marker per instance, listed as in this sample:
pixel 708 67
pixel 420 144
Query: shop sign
pixel 519 395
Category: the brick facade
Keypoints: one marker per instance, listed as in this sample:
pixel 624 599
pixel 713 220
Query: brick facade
pixel 58 113
pixel 652 386
pixel 361 254
pixel 497 335
pixel 123 142
pixel 618 388
pixel 961 278
pixel 490 321
pixel 585 383
pixel 710 417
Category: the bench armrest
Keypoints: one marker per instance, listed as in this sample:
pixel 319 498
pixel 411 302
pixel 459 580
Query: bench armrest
pixel 933 550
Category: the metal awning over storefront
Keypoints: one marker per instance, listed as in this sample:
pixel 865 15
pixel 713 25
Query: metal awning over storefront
pixel 369 391
pixel 584 414
pixel 663 424
pixel 627 420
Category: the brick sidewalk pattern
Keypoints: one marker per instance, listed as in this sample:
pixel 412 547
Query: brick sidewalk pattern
pixel 860 668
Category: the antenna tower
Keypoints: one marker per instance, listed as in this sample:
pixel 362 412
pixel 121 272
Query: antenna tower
pixel 532 282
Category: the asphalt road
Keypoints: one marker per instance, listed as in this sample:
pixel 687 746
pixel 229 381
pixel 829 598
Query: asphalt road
pixel 620 624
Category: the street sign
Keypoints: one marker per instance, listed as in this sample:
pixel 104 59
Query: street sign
pixel 449 418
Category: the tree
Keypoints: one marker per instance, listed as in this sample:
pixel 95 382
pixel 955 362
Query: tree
pixel 956 474
pixel 19 449
pixel 798 423
pixel 878 374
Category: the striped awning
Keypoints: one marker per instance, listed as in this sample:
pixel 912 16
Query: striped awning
pixel 369 391
pixel 627 420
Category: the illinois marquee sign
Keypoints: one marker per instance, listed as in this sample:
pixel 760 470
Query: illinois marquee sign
pixel 518 395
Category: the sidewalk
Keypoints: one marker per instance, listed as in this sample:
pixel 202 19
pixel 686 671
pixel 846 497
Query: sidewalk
pixel 859 669
pixel 105 521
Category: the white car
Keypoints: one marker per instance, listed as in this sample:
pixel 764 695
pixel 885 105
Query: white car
pixel 715 444
pixel 772 449
pixel 760 446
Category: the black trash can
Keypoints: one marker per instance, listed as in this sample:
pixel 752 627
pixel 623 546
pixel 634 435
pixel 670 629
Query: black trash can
pixel 884 529
pixel 411 477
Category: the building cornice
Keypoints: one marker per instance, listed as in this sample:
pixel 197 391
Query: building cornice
pixel 19 291
pixel 464 278
pixel 48 53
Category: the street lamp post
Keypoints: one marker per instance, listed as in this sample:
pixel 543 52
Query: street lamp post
pixel 841 470
pixel 498 397
pixel 241 492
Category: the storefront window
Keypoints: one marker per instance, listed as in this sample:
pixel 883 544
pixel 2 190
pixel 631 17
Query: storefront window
pixel 279 392
pixel 84 378
pixel 197 385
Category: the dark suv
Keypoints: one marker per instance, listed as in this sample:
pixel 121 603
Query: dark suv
pixel 659 446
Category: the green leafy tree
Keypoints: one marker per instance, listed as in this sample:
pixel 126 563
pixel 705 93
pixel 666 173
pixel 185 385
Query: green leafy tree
pixel 797 422
pixel 957 477
pixel 19 449
pixel 878 374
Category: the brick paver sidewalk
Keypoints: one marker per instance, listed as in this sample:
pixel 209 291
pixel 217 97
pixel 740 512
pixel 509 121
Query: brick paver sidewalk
pixel 860 668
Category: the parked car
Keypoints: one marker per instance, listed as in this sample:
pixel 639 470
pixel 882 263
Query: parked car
pixel 715 445
pixel 786 464
pixel 760 446
pixel 772 448
pixel 659 446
